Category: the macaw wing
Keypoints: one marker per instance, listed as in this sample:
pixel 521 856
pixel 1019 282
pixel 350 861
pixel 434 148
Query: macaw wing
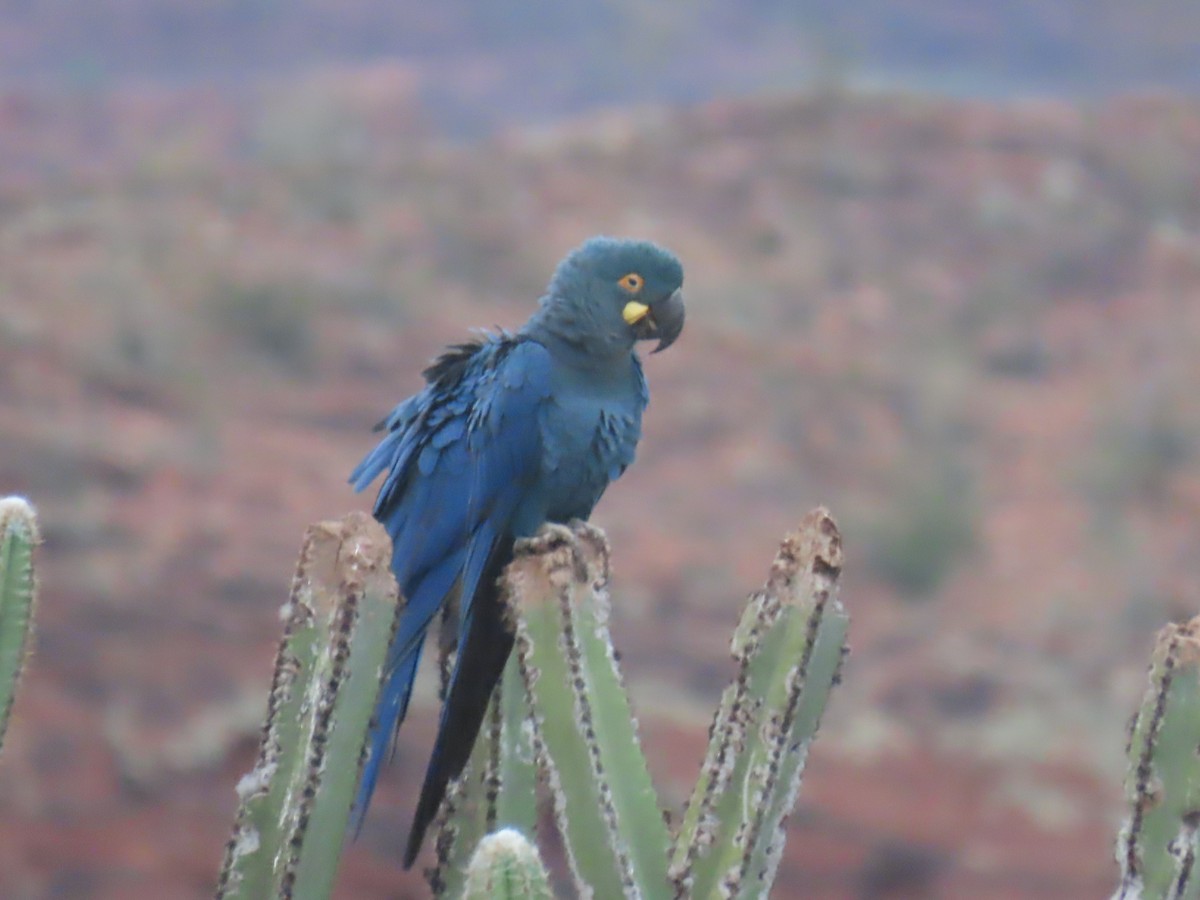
pixel 463 458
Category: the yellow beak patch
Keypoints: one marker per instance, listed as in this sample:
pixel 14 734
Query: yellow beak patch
pixel 634 312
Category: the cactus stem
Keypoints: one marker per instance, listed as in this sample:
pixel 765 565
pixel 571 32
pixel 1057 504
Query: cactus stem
pixel 789 648
pixel 294 804
pixel 586 722
pixel 584 732
pixel 18 597
pixel 1157 847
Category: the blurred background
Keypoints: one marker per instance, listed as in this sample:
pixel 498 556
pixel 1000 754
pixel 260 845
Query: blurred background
pixel 943 268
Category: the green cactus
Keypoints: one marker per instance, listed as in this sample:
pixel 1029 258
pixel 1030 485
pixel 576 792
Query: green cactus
pixel 295 803
pixel 515 768
pixel 584 731
pixel 1160 841
pixel 788 648
pixel 561 718
pixel 506 867
pixel 18 593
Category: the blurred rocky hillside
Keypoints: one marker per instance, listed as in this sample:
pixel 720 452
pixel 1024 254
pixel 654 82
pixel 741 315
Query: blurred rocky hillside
pixel 480 64
pixel 967 327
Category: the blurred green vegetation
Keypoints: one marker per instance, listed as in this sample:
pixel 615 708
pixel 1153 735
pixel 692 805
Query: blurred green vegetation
pixel 925 531
pixel 1137 450
pixel 275 320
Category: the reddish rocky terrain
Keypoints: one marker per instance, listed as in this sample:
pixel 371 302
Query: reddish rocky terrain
pixel 969 329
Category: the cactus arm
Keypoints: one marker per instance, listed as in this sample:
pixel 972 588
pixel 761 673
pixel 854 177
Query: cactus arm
pixel 789 648
pixel 516 803
pixel 539 580
pixel 638 811
pixel 1159 843
pixel 295 803
pixel 583 729
pixel 698 827
pixel 807 689
pixel 18 593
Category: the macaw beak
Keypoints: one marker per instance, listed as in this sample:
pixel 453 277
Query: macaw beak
pixel 662 319
pixel 668 317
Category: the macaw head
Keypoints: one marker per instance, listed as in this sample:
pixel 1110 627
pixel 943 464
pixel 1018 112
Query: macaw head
pixel 614 292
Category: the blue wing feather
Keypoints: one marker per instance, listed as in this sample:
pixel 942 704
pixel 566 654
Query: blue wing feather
pixel 462 460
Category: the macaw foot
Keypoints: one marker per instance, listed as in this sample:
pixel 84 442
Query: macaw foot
pixel 596 543
pixel 583 544
pixel 550 536
pixel 588 532
pixel 558 550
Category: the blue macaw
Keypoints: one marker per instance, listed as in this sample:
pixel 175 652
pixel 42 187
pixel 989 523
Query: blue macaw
pixel 511 431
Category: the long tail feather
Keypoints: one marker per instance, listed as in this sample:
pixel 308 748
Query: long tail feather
pixel 392 705
pixel 389 713
pixel 482 654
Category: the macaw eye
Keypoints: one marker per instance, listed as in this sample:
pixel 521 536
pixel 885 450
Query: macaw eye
pixel 631 283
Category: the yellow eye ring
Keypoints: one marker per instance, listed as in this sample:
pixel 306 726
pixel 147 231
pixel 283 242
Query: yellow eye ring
pixel 631 283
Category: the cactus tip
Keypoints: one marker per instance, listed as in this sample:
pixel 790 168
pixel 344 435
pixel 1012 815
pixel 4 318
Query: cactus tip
pixel 505 864
pixel 18 510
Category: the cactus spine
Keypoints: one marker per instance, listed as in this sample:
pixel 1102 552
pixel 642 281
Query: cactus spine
pixel 18 592
pixel 295 803
pixel 1157 847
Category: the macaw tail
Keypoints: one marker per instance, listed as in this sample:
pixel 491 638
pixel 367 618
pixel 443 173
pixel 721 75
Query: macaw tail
pixel 389 713
pixel 482 653
pixel 401 673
